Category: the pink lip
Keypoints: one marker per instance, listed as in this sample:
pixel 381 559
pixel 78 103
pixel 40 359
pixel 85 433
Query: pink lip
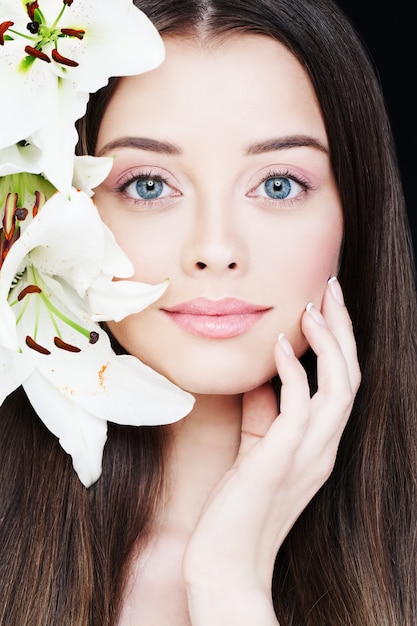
pixel 216 319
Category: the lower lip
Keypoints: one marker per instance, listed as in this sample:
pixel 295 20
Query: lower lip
pixel 216 326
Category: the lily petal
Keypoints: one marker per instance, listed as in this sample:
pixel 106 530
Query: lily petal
pixel 58 137
pixel 80 434
pixel 20 158
pixel 75 400
pixel 116 388
pixel 14 370
pixel 116 43
pixel 114 300
pixel 24 95
pixel 90 171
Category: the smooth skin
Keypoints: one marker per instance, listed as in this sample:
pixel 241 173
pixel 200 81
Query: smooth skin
pixel 223 123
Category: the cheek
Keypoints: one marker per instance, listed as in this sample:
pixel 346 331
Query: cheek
pixel 323 256
pixel 150 250
pixel 305 264
pixel 304 254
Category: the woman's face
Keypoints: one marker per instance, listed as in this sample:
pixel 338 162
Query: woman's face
pixel 222 183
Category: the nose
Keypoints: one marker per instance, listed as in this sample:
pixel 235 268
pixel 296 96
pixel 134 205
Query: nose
pixel 215 243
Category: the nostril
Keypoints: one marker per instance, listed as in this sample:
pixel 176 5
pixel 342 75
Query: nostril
pixel 232 266
pixel 201 265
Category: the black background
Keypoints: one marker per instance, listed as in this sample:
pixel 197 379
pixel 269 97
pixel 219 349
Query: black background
pixel 387 31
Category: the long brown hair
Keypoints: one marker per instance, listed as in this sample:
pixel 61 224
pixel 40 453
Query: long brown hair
pixel 351 557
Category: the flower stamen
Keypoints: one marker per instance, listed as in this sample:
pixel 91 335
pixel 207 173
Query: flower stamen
pixel 33 27
pixel 58 58
pixel 9 215
pixel 4 27
pixel 37 54
pixel 71 323
pixel 27 290
pixel 78 33
pixel 94 337
pixel 31 7
pixel 40 200
pixel 65 346
pixel 21 214
pixel 31 343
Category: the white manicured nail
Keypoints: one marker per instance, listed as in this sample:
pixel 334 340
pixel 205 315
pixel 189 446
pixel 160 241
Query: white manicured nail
pixel 315 314
pixel 285 345
pixel 336 290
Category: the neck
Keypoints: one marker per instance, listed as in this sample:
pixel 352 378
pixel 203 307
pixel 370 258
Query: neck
pixel 204 446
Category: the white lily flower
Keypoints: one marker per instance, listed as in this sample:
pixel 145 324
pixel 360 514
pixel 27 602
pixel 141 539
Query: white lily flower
pixel 56 279
pixel 20 157
pixel 90 171
pixel 53 53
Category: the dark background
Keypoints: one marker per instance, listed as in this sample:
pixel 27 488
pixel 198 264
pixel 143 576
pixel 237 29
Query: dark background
pixel 387 33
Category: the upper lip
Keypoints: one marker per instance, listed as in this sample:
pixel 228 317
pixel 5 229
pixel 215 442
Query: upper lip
pixel 224 306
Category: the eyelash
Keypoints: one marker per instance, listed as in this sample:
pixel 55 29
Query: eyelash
pixel 150 174
pixel 299 180
pixel 136 176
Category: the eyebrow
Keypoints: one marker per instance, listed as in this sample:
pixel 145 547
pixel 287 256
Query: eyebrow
pixel 141 143
pixel 283 143
pixel 165 147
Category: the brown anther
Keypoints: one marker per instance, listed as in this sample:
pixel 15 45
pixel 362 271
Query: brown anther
pixel 68 2
pixel 94 337
pixel 63 60
pixel 21 214
pixel 31 8
pixel 27 290
pixel 38 54
pixel 31 343
pixel 6 245
pixel 10 207
pixel 73 32
pixel 4 27
pixel 65 346
pixel 4 249
pixel 36 204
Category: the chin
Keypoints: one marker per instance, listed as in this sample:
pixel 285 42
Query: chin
pixel 220 383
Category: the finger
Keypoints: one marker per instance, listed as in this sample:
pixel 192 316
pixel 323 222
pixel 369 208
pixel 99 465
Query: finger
pixel 288 430
pixel 333 401
pixel 331 405
pixel 259 409
pixel 332 369
pixel 339 322
pixel 278 438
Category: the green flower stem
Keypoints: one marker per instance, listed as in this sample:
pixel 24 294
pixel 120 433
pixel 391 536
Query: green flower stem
pixel 64 318
pixel 54 322
pixel 37 316
pixel 54 313
pixel 23 309
pixel 16 32
pixel 39 16
pixel 52 309
pixel 61 13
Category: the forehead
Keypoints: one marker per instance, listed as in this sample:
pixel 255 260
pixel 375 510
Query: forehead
pixel 247 84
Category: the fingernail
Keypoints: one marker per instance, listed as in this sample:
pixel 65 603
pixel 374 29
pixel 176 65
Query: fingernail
pixel 285 345
pixel 336 290
pixel 315 314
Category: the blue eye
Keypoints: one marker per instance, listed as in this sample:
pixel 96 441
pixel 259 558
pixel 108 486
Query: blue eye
pixel 278 188
pixel 146 188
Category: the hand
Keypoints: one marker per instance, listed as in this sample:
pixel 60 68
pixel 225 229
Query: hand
pixel 282 462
